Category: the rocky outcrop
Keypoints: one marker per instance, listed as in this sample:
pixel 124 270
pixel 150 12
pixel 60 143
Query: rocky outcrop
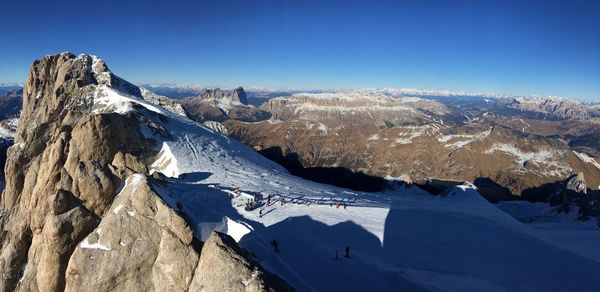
pixel 163 101
pixel 140 245
pixel 559 109
pixel 577 183
pixel 216 126
pixel 356 108
pixel 223 266
pixel 572 195
pixel 237 95
pixel 79 211
pixel 59 177
pixel 221 105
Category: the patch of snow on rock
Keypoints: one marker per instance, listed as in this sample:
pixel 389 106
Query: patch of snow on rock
pixel 587 159
pixel 106 99
pixel 464 140
pixel 87 245
pixel 166 162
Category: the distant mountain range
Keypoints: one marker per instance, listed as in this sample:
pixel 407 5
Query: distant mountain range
pixel 8 87
pixel 111 187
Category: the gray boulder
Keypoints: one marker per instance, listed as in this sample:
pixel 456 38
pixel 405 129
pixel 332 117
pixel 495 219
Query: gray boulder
pixel 224 266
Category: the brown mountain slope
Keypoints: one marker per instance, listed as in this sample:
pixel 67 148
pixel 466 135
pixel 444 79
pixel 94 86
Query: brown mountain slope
pixel 385 140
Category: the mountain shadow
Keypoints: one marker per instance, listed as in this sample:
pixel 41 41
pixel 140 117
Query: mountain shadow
pixel 298 237
pixel 475 251
pixel 337 176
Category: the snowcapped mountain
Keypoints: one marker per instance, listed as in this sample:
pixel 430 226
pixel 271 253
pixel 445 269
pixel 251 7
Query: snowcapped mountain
pixel 121 188
pixel 10 104
pixel 175 91
pixel 394 237
pixel 547 107
pixel 382 133
pixel 355 107
pixel 8 87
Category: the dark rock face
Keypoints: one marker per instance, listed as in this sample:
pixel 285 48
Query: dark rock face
pixel 573 195
pixel 577 183
pixel 239 95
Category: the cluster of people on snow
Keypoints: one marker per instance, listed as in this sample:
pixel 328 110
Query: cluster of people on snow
pixel 256 201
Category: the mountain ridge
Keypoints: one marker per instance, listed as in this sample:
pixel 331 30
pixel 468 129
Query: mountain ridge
pixel 109 191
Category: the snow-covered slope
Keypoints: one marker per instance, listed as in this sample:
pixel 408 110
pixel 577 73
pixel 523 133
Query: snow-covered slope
pixel 403 239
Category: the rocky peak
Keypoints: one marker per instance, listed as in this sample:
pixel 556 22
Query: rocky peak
pixel 577 183
pixel 60 176
pixel 79 210
pixel 554 108
pixel 237 95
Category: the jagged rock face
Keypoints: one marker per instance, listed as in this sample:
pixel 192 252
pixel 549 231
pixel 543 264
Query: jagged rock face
pixel 573 195
pixel 140 245
pixel 560 109
pixel 163 101
pixel 223 266
pixel 59 177
pixel 79 212
pixel 239 95
pixel 577 183
pixel 365 110
pixel 220 105
pixel 216 126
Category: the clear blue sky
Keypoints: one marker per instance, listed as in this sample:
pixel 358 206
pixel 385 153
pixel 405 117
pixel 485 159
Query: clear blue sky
pixel 526 47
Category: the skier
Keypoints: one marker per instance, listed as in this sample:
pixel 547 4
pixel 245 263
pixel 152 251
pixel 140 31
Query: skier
pixel 337 204
pixel 347 252
pixel 282 200
pixel 260 213
pixel 269 199
pixel 275 245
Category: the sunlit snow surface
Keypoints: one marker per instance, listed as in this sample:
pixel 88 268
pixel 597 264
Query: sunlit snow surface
pixel 106 99
pixel 400 240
